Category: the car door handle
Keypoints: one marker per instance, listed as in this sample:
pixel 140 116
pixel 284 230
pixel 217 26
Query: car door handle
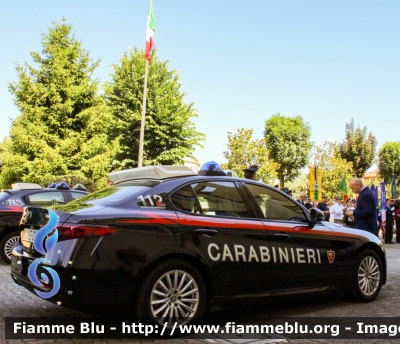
pixel 207 232
pixel 281 236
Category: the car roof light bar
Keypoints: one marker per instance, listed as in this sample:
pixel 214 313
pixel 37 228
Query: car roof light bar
pixel 25 186
pixel 151 172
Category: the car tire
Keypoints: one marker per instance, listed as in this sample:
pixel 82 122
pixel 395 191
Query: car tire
pixel 6 245
pixel 367 277
pixel 172 292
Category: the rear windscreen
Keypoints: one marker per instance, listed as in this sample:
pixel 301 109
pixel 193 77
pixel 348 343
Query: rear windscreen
pixel 4 196
pixel 116 194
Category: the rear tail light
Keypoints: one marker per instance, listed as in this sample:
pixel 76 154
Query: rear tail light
pixel 74 231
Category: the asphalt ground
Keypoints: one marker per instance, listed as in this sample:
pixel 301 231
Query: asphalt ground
pixel 15 301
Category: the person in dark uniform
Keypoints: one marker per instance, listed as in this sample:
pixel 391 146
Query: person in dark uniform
pixel 287 191
pixel 365 215
pixel 250 173
pixel 389 222
pixel 396 215
pixel 324 207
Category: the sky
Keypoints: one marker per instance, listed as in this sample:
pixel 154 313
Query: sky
pixel 239 61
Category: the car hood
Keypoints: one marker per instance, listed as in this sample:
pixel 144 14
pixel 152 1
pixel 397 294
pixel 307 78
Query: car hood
pixel 341 230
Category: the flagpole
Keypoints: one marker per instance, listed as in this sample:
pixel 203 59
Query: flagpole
pixel 141 139
pixel 149 45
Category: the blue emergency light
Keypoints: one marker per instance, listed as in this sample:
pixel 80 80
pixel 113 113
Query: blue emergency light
pixel 211 168
pixel 62 186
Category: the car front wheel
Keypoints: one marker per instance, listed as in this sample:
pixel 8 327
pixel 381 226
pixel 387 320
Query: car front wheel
pixel 174 293
pixel 367 277
pixel 7 244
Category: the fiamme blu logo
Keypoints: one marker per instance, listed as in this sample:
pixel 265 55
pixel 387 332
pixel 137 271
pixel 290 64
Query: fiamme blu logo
pixel 43 243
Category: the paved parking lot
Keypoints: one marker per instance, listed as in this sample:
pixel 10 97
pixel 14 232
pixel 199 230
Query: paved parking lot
pixel 16 301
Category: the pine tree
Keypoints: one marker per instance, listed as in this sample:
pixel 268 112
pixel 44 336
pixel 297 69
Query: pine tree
pixel 62 126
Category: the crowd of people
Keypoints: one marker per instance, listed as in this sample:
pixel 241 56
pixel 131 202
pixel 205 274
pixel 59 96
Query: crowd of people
pixel 334 210
pixel 392 221
pixel 360 212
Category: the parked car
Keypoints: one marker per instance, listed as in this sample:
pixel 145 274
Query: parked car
pixel 12 203
pixel 164 244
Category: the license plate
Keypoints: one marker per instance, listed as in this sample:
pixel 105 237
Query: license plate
pixel 29 234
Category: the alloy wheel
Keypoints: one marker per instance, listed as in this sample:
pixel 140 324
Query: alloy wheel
pixel 369 275
pixel 174 298
pixel 9 245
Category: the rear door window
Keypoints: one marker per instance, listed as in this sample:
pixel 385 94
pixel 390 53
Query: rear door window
pixel 215 198
pixel 184 200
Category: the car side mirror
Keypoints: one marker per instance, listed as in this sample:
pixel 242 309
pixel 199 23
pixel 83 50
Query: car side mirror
pixel 316 216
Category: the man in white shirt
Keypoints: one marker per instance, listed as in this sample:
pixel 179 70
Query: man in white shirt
pixel 337 210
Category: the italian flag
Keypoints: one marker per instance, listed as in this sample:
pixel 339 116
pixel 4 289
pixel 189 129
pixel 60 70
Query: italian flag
pixel 150 32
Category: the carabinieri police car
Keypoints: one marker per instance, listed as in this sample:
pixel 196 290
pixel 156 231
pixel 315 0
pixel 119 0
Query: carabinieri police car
pixel 166 244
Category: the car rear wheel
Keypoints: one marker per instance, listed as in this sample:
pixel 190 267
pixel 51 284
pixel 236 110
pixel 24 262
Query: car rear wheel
pixel 367 277
pixel 7 244
pixel 172 293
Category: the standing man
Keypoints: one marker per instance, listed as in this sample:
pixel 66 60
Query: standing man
pixel 337 210
pixel 389 222
pixel 365 215
pixel 302 198
pixel 396 215
pixel 250 173
pixel 309 204
pixel 323 206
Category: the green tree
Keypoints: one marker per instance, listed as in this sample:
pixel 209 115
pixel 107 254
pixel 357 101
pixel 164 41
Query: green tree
pixel 170 134
pixel 1 156
pixel 288 142
pixel 62 126
pixel 243 152
pixel 389 161
pixel 298 185
pixel 333 167
pixel 358 147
